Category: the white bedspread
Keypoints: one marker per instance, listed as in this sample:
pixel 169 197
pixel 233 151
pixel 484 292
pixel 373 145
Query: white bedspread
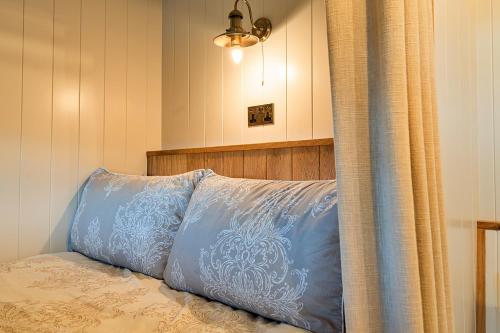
pixel 68 292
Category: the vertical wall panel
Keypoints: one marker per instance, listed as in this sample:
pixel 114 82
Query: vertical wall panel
pixel 168 29
pixel 456 86
pixel 486 141
pixel 326 160
pixel 302 159
pixel 196 161
pixel 274 90
pixel 495 7
pixel 165 165
pixel 154 75
pixel 253 91
pixel 65 119
pixel 446 18
pixel 467 15
pixel 457 93
pixel 136 86
pixel 93 28
pixel 299 81
pixel 233 164
pixel 179 118
pixel 215 24
pixel 279 164
pixel 486 119
pixel 11 48
pixel 255 164
pixel 321 91
pixel 179 164
pixel 215 161
pixel 197 73
pixel 495 16
pixel 36 141
pixel 115 125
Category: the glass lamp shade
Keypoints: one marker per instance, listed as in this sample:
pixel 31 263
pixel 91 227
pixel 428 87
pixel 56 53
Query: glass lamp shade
pixel 237 54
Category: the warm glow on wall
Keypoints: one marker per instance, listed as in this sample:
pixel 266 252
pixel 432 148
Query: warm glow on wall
pixel 287 72
pixel 67 99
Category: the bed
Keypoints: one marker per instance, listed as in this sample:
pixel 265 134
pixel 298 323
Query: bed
pixel 69 292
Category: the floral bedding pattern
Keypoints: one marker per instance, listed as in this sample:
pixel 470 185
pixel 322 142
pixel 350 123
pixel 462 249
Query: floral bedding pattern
pixel 131 221
pixel 268 247
pixel 68 292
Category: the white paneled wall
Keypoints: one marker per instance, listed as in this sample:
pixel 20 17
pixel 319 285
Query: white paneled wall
pixel 488 104
pixel 456 89
pixel 80 87
pixel 206 95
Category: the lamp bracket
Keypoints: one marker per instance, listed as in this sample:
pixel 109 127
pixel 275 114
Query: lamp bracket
pixel 262 27
pixel 249 9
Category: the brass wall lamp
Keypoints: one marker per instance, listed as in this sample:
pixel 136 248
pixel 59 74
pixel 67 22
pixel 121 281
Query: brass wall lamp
pixel 236 37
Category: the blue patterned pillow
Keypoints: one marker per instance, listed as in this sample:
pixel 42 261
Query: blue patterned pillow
pixel 268 247
pixel 131 221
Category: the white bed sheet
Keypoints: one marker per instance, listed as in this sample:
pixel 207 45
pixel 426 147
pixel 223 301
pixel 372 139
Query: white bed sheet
pixel 67 292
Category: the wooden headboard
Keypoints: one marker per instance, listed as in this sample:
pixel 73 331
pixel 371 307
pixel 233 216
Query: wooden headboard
pixel 290 160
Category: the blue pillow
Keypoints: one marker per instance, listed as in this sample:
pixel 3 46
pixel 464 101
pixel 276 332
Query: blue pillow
pixel 131 221
pixel 268 247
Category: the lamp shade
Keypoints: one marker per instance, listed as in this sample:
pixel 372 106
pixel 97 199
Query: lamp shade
pixel 235 35
pixel 236 39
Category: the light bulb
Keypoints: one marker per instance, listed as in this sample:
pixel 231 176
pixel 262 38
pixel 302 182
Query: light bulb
pixel 236 54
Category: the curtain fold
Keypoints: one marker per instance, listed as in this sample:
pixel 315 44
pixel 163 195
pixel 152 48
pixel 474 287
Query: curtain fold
pixel 393 232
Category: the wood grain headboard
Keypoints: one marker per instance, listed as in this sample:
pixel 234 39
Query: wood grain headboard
pixel 290 160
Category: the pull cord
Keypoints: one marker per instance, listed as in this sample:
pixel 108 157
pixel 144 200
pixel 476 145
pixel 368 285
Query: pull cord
pixel 263 62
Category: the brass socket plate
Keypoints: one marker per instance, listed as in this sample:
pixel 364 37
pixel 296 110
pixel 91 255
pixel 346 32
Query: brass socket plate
pixel 261 115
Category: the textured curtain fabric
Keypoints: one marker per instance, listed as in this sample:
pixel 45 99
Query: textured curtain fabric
pixel 393 232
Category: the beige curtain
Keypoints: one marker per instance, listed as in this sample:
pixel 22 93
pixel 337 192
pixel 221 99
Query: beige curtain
pixel 393 233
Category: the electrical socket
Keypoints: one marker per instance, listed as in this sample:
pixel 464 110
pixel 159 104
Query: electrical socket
pixel 261 115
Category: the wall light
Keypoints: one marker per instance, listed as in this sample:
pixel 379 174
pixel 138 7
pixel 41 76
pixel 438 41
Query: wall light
pixel 237 38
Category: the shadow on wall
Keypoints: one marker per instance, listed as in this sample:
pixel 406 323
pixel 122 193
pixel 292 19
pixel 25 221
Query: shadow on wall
pixel 293 8
pixel 59 237
pixel 41 49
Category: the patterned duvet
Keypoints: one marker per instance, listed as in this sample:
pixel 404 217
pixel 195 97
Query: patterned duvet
pixel 68 292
